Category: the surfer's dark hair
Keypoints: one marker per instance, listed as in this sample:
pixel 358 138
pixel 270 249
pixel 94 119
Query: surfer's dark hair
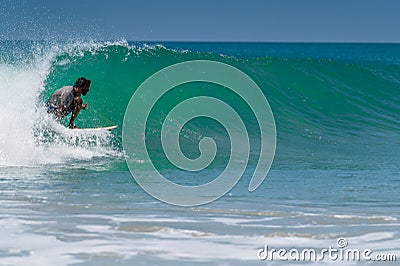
pixel 82 83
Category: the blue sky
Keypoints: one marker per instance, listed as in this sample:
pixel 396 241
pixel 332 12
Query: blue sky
pixel 206 20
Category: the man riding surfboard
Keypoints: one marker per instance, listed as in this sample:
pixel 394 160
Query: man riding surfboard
pixel 68 99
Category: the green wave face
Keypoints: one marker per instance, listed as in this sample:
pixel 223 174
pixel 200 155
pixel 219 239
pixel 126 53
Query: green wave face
pixel 320 105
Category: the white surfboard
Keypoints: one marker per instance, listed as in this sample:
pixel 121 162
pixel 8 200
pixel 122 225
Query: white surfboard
pixel 99 128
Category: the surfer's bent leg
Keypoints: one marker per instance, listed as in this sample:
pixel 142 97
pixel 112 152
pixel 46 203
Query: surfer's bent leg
pixel 77 107
pixel 54 111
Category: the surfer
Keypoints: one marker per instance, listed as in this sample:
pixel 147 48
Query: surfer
pixel 68 99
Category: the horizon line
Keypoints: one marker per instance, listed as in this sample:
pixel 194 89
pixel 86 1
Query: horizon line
pixel 213 41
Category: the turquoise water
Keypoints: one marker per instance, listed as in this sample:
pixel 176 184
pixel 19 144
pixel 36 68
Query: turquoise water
pixel 67 197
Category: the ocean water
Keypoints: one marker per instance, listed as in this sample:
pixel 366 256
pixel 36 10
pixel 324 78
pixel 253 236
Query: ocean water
pixel 68 198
